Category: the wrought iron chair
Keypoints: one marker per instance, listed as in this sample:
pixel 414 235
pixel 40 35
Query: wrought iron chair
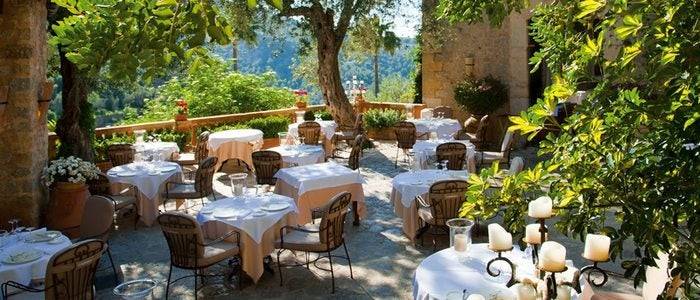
pixel 70 273
pixel 120 154
pixel 310 132
pixel 454 152
pixel 444 111
pixel 202 187
pixel 125 199
pixel 488 157
pixel 97 223
pixel 348 136
pixel 190 251
pixel 479 137
pixel 190 161
pixel 445 198
pixel 405 139
pixel 266 163
pixel 329 235
pixel 468 128
pixel 356 152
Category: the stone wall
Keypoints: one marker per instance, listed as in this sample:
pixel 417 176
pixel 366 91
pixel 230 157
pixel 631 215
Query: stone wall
pixel 23 144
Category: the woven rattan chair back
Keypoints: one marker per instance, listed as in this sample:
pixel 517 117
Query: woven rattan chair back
pixel 201 152
pixel 235 165
pixel 70 274
pixel 204 177
pixel 184 237
pixel 310 132
pixel 356 152
pixel 120 154
pixel 446 198
pixel 481 128
pixel 405 135
pixel 454 153
pixel 444 111
pixel 266 164
pixel 332 225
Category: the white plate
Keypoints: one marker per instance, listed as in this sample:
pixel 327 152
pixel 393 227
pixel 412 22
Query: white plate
pixel 127 174
pixel 259 213
pixel 22 256
pixel 275 206
pixel 42 236
pixel 167 168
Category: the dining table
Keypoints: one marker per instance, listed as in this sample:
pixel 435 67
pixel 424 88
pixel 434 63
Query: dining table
pixel 24 256
pixel 312 186
pixel 300 155
pixel 257 217
pixel 150 179
pixel 164 149
pixel 425 151
pixel 450 272
pixel 235 143
pixel 444 128
pixel 408 185
pixel 328 128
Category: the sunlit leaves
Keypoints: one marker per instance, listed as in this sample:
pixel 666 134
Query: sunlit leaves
pixel 592 47
pixel 588 7
pixel 630 52
pixel 630 25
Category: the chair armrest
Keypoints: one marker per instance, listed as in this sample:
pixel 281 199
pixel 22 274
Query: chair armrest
pixel 223 237
pixel 18 286
pixel 421 202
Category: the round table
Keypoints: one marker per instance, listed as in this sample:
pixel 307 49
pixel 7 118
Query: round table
pixel 424 151
pixel 24 273
pixel 445 128
pixel 445 271
pixel 217 139
pixel 300 155
pixel 237 143
pixel 165 149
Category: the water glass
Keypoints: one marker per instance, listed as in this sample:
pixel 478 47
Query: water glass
pixel 460 235
pixel 238 183
pixel 283 138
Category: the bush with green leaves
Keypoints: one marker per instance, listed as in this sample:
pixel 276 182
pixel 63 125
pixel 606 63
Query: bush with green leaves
pixel 270 126
pixel 378 119
pixel 324 114
pixel 309 115
pixel 481 96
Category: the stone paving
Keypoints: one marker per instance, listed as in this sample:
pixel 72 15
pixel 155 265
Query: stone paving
pixel 383 259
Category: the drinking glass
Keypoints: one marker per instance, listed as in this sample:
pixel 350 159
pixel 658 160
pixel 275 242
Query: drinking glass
pixel 283 138
pixel 238 183
pixel 460 235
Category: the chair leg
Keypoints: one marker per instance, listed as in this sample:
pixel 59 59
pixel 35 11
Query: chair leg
pixel 195 284
pixel 307 259
pixel 114 268
pixel 167 286
pixel 279 265
pixel 348 257
pixel 330 260
pixel 396 160
pixel 240 273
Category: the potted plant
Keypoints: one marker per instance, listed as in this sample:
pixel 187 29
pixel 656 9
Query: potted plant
pixel 481 96
pixel 66 179
pixel 380 123
pixel 301 96
pixel 182 110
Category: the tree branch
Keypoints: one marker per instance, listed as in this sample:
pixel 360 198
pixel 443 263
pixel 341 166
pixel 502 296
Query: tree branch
pixel 349 7
pixel 289 11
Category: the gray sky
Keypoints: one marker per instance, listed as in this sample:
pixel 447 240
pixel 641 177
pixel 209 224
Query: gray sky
pixel 408 19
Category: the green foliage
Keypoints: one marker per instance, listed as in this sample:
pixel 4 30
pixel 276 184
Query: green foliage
pixel 474 11
pixel 270 126
pixel 481 96
pixel 382 118
pixel 309 116
pixel 325 115
pixel 370 36
pixel 394 88
pixel 417 73
pixel 86 121
pixel 101 144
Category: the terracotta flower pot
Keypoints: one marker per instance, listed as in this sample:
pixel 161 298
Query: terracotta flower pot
pixel 65 208
pixel 301 104
pixel 181 117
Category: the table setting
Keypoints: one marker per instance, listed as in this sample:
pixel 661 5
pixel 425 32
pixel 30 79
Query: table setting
pixel 236 143
pixel 328 129
pixel 444 128
pixel 424 152
pixel 257 215
pixel 406 186
pixel 149 178
pixel 300 155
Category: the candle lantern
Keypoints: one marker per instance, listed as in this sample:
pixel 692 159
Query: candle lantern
pixel 460 234
pixel 597 249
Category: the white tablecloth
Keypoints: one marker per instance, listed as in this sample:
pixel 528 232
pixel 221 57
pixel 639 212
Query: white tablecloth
pixel 327 128
pixel 445 128
pixel 217 139
pixel 148 184
pixel 166 149
pixel 426 113
pixel 318 176
pixel 424 150
pixel 412 184
pixel 24 273
pixel 254 226
pixel 444 272
pixel 300 155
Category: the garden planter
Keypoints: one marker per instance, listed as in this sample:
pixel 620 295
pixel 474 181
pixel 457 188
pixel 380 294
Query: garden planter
pixel 382 134
pixel 270 142
pixel 65 208
pixel 181 117
pixel 301 104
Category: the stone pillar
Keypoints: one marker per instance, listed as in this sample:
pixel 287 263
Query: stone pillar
pixel 23 133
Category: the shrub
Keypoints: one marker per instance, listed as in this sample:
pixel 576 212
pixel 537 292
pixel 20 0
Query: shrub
pixel 101 144
pixel 270 126
pixel 382 118
pixel 325 115
pixel 309 116
pixel 481 96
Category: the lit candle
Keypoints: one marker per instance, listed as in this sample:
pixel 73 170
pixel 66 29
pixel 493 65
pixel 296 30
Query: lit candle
pixel 540 208
pixel 499 238
pixel 597 247
pixel 476 297
pixel 552 257
pixel 524 291
pixel 533 235
pixel 461 242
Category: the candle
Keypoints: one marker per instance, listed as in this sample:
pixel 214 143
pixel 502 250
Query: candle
pixel 540 208
pixel 597 247
pixel 552 257
pixel 524 291
pixel 533 235
pixel 476 297
pixel 461 242
pixel 499 238
pixel 563 292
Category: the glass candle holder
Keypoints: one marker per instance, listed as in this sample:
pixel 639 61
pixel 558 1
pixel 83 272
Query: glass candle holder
pixel 283 138
pixel 460 234
pixel 238 182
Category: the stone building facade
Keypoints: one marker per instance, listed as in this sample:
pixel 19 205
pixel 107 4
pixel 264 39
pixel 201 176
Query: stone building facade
pixel 23 133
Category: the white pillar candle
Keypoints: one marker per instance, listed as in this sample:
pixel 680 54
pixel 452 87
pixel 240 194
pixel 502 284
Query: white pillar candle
pixel 533 235
pixel 540 208
pixel 563 292
pixel 499 238
pixel 461 242
pixel 476 297
pixel 552 257
pixel 597 247
pixel 524 291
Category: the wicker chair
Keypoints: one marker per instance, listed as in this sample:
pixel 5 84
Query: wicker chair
pixel 356 152
pixel 122 201
pixel 70 273
pixel 488 157
pixel 266 163
pixel 97 223
pixel 190 161
pixel 405 138
pixel 454 152
pixel 477 138
pixel 445 111
pixel 445 199
pixel 349 136
pixel 329 235
pixel 190 251
pixel 120 154
pixel 310 132
pixel 202 187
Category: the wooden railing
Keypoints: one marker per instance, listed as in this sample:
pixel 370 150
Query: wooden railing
pixel 193 124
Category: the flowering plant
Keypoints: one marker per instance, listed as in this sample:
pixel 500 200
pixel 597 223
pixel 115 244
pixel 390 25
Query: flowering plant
pixel 481 96
pixel 70 169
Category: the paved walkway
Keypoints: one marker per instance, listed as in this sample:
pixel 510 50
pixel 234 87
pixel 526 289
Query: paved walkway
pixel 383 259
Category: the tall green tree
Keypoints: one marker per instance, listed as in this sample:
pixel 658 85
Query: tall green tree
pixel 124 40
pixel 371 36
pixel 631 146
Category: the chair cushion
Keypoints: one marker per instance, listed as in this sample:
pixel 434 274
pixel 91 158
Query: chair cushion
pixel 217 252
pixel 186 159
pixel 182 191
pixel 489 156
pixel 122 201
pixel 426 214
pixel 470 136
pixel 302 241
pixel 344 135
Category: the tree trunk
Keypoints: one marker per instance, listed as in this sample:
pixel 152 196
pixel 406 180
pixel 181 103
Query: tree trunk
pixel 376 73
pixel 75 127
pixel 329 77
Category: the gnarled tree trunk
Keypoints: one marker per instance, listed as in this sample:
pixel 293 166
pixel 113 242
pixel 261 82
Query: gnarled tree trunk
pixel 74 132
